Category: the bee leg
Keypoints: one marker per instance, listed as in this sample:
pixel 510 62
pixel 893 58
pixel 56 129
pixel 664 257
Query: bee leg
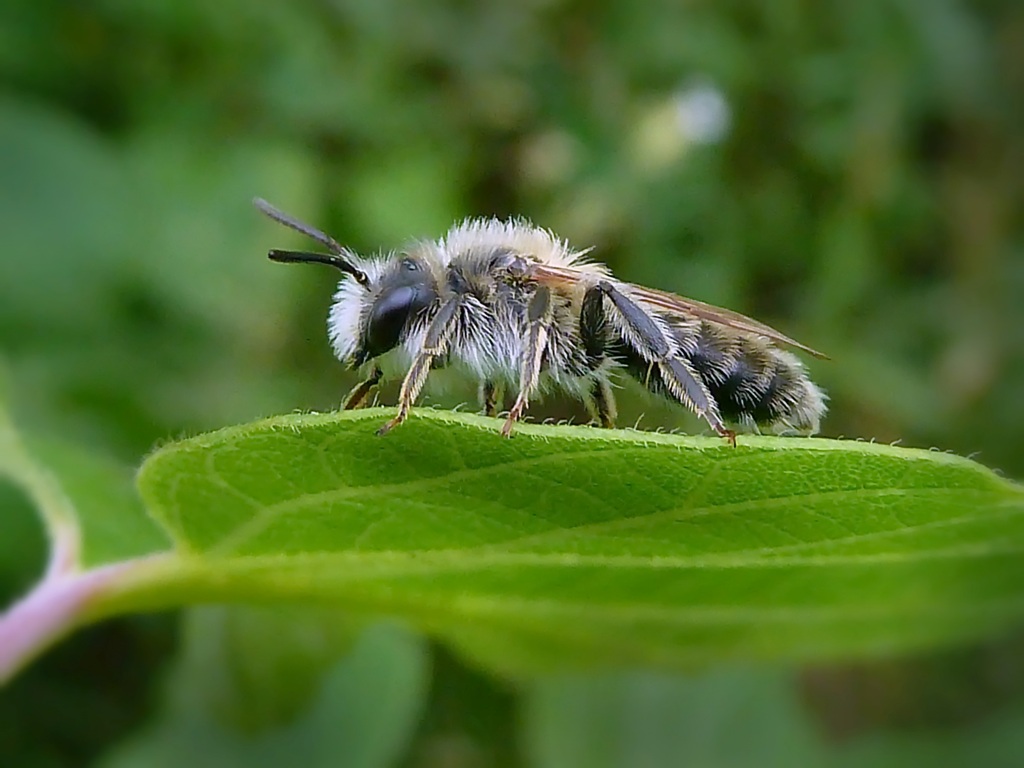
pixel 357 397
pixel 538 321
pixel 684 385
pixel 646 337
pixel 435 344
pixel 604 403
pixel 490 397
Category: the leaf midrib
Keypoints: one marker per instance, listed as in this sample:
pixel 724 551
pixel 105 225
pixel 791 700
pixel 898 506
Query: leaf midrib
pixel 395 563
pixel 366 588
pixel 270 514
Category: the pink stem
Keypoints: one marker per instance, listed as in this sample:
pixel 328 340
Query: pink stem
pixel 46 614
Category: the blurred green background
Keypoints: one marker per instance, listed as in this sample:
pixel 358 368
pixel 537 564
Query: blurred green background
pixel 849 172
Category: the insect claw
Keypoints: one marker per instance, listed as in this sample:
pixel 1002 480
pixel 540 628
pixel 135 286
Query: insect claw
pixel 513 416
pixel 388 426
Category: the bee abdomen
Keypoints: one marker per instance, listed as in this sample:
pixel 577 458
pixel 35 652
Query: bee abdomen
pixel 754 383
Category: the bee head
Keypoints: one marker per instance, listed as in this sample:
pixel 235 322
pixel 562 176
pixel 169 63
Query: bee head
pixel 373 308
pixel 404 289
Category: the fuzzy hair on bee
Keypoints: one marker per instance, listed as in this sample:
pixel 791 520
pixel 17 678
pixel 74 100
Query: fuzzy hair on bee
pixel 516 309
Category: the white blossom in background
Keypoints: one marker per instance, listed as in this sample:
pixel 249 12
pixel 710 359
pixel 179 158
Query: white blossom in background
pixel 703 113
pixel 696 113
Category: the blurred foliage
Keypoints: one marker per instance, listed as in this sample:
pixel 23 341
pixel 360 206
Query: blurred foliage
pixel 365 709
pixel 866 199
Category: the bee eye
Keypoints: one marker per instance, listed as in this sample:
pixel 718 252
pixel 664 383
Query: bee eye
pixel 399 302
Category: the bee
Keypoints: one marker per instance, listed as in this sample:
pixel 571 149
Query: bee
pixel 516 309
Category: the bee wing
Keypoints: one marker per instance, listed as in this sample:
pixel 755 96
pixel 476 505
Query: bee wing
pixel 552 275
pixel 680 305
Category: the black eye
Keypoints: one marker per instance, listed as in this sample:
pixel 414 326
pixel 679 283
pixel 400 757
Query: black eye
pixel 409 265
pixel 390 314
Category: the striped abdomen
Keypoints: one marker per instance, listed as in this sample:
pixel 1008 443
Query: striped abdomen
pixel 755 383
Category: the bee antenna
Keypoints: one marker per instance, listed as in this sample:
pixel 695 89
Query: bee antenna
pixel 312 232
pixel 338 252
pixel 307 257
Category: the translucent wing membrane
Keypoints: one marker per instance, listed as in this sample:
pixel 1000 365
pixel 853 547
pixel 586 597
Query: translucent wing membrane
pixel 670 303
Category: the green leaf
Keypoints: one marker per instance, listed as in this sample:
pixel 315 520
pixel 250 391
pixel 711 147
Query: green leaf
pixel 256 667
pixel 732 717
pixel 73 491
pixel 644 720
pixel 86 499
pixel 572 546
pixel 996 741
pixel 22 544
pixel 114 523
pixel 62 248
pixel 567 546
pixel 363 714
